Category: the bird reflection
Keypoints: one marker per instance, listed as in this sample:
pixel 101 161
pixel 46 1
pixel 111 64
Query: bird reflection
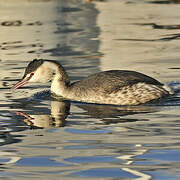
pixel 107 114
pixel 115 114
pixel 57 117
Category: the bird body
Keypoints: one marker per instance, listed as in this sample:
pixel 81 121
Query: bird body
pixel 119 87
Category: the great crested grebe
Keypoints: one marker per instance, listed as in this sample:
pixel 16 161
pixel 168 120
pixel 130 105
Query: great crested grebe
pixel 118 87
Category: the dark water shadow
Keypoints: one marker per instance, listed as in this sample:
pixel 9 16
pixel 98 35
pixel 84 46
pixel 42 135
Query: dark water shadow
pixel 156 26
pixel 170 38
pixel 20 23
pixel 165 2
pixel 63 51
pixel 69 9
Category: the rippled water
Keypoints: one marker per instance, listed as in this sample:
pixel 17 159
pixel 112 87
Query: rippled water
pixel 44 138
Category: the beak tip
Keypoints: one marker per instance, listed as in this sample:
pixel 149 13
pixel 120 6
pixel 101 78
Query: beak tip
pixel 21 83
pixel 12 89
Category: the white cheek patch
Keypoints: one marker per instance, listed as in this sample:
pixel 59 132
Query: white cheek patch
pixel 42 75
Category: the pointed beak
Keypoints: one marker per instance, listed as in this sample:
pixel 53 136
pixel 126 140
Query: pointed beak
pixel 22 82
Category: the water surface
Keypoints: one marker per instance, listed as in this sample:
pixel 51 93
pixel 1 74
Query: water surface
pixel 41 137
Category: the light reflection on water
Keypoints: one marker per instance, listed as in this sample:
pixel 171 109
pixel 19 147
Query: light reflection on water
pixel 44 138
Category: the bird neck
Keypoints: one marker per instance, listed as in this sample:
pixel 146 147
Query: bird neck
pixel 60 81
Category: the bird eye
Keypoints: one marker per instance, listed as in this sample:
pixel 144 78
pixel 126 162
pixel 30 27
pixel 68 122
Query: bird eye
pixel 31 75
